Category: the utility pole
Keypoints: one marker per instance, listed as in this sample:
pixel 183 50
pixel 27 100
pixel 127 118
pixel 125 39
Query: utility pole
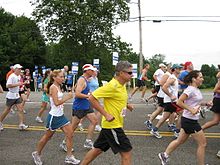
pixel 140 38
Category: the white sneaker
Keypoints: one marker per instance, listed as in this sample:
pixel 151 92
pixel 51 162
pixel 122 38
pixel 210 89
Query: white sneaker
pixel 36 157
pixel 218 154
pixel 22 127
pixel 24 111
pixel 12 111
pixel 39 120
pixel 80 126
pixel 63 146
pixel 98 128
pixel 71 160
pixel 1 126
pixel 88 144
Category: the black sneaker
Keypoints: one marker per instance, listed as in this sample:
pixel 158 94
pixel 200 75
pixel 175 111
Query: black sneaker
pixel 163 158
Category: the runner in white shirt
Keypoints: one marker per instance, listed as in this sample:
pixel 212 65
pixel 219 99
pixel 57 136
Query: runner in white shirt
pixel 13 97
pixel 170 88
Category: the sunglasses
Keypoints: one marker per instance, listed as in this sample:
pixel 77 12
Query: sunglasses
pixel 130 73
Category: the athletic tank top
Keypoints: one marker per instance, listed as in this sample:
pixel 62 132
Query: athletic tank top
pixel 173 89
pixel 82 103
pixel 56 110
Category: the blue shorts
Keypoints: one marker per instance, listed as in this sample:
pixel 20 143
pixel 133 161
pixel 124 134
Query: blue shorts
pixel 55 122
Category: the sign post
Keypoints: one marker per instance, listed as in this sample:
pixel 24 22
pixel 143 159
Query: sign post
pixel 115 58
pixel 75 68
pixel 134 71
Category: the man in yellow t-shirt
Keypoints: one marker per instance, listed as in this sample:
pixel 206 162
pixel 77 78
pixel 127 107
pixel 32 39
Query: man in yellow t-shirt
pixel 115 97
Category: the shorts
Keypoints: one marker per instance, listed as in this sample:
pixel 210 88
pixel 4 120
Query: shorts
pixel 157 88
pixel 10 102
pixel 113 138
pixel 160 101
pixel 21 92
pixel 55 122
pixel 81 113
pixel 170 107
pixel 69 85
pixel 140 83
pixel 45 98
pixel 190 126
pixel 216 105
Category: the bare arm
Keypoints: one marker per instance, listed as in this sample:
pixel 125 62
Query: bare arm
pixel 180 102
pixel 163 79
pixel 95 103
pixel 165 88
pixel 217 87
pixel 1 89
pixel 81 84
pixel 53 94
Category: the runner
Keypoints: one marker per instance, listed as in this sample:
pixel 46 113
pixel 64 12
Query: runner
pixel 160 98
pixel 81 106
pixel 56 119
pixel 141 82
pixel 115 104
pixel 44 99
pixel 190 101
pixel 13 97
pixel 170 88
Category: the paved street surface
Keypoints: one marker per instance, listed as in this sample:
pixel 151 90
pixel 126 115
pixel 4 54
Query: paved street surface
pixel 16 146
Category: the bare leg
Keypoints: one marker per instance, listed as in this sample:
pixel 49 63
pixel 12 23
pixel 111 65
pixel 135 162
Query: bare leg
pixel 125 158
pixel 67 129
pixel 156 113
pixel 43 141
pixel 42 109
pixel 201 140
pixel 175 143
pixel 91 155
pixel 93 121
pixel 215 120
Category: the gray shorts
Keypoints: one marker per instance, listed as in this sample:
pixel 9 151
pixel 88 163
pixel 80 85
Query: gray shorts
pixel 10 102
pixel 82 113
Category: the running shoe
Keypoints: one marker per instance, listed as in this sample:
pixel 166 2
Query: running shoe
pixel 155 133
pixel 98 128
pixel 1 126
pixel 71 160
pixel 202 113
pixel 39 120
pixel 148 124
pixel 176 134
pixel 164 160
pixel 23 127
pixel 80 126
pixel 218 154
pixel 63 146
pixel 12 111
pixel 172 127
pixel 36 157
pixel 24 111
pixel 88 144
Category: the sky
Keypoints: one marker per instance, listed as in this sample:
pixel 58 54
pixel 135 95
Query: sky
pixel 179 41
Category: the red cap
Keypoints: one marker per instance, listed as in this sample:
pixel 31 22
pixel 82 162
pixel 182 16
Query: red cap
pixel 188 63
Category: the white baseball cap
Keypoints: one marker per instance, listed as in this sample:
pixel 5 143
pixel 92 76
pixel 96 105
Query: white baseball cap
pixel 89 67
pixel 17 66
pixel 162 65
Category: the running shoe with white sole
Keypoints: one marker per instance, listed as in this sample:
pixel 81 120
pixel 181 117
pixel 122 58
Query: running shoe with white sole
pixel 23 127
pixel 71 160
pixel 98 128
pixel 148 124
pixel 155 133
pixel 218 154
pixel 64 147
pixel 88 144
pixel 164 160
pixel 36 157
pixel 1 126
pixel 39 120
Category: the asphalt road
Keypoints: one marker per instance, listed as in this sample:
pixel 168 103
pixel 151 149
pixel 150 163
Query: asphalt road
pixel 16 146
